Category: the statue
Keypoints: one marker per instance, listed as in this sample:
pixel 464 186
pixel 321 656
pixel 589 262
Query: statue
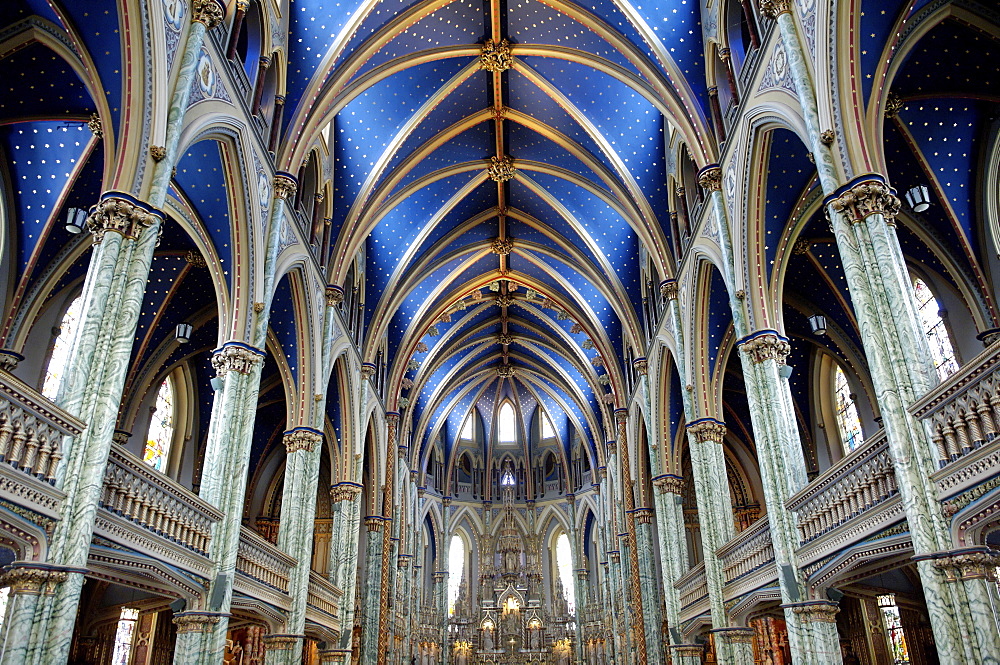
pixel 488 643
pixel 535 638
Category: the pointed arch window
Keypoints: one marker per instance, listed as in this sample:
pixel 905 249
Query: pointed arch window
pixel 548 431
pixel 161 428
pixel 467 428
pixel 847 412
pixel 59 357
pixel 564 563
pixel 456 570
pixel 929 314
pixel 506 424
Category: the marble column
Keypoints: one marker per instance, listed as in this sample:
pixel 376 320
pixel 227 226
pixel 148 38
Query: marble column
pixel 816 622
pixel 442 575
pixel 578 565
pixel 29 583
pixel 647 580
pixel 738 644
pixel 344 546
pixel 303 446
pixel 669 511
pixel 375 526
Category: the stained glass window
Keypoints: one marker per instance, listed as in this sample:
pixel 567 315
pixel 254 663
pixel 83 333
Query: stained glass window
pixel 847 412
pixel 161 428
pixel 564 562
pixel 506 424
pixel 456 569
pixel 928 310
pixel 467 428
pixel 59 358
pixel 894 630
pixel 124 635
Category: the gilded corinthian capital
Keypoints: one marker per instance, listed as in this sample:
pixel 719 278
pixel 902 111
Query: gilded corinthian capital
pixel 707 430
pixel 710 178
pixel 301 438
pixel 865 198
pixel 775 8
pixel 765 345
pixel 120 213
pixel 209 12
pixel 237 357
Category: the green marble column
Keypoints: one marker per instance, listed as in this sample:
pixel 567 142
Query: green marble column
pixel 737 643
pixel 686 654
pixel 669 511
pixel 578 593
pixel 442 574
pixel 344 547
pixel 375 526
pixel 634 571
pixel 303 446
pixel 647 580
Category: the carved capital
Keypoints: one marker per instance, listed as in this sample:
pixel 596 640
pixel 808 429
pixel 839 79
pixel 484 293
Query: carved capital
pixel 643 515
pixel 641 366
pixel 863 199
pixel 374 523
pixel 734 635
pixel 120 214
pixel 302 438
pixel 121 437
pixel 968 564
pixel 501 169
pixel 502 246
pixel 775 8
pixel 196 622
pixel 707 430
pixel 815 611
pixel 32 581
pixel 280 642
pixel 208 12
pixel 684 652
pixel 669 484
pixel 495 56
pixel 285 185
pixel 345 492
pixel 668 289
pixel 236 357
pixel 157 152
pixel 9 360
pixel 710 178
pixel 765 345
pixel 367 370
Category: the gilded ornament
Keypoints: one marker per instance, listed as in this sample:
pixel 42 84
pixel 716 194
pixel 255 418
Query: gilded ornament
pixel 502 246
pixel 367 370
pixel 499 113
pixel 827 137
pixel 157 152
pixel 421 347
pixel 94 125
pixel 196 622
pixel 505 339
pixel 195 260
pixel 433 331
pixel 501 169
pixel 710 178
pixel 258 307
pixel 893 105
pixel 801 246
pixel 968 564
pixel 504 300
pixel 641 366
pixel 208 12
pixel 818 611
pixel 505 371
pixel 495 57
pixel 280 642
pixel 669 484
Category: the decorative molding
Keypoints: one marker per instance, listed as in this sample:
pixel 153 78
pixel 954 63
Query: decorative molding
pixel 208 12
pixel 120 213
pixel 236 357
pixel 866 197
pixel 302 438
pixel 707 430
pixel 495 57
pixel 765 345
pixel 501 169
pixel 710 178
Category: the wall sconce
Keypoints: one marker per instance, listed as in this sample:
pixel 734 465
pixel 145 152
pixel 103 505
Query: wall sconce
pixel 75 219
pixel 918 198
pixel 818 324
pixel 183 333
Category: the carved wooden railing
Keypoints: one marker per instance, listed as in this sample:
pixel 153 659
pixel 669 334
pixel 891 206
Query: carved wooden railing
pixel 323 595
pixel 32 429
pixel 261 561
pixel 692 586
pixel 855 485
pixel 964 409
pixel 749 552
pixel 151 500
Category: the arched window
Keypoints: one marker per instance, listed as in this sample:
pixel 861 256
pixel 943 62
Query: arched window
pixel 547 431
pixel 929 312
pixel 847 412
pixel 456 570
pixel 161 428
pixel 59 358
pixel 506 424
pixel 467 428
pixel 564 563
